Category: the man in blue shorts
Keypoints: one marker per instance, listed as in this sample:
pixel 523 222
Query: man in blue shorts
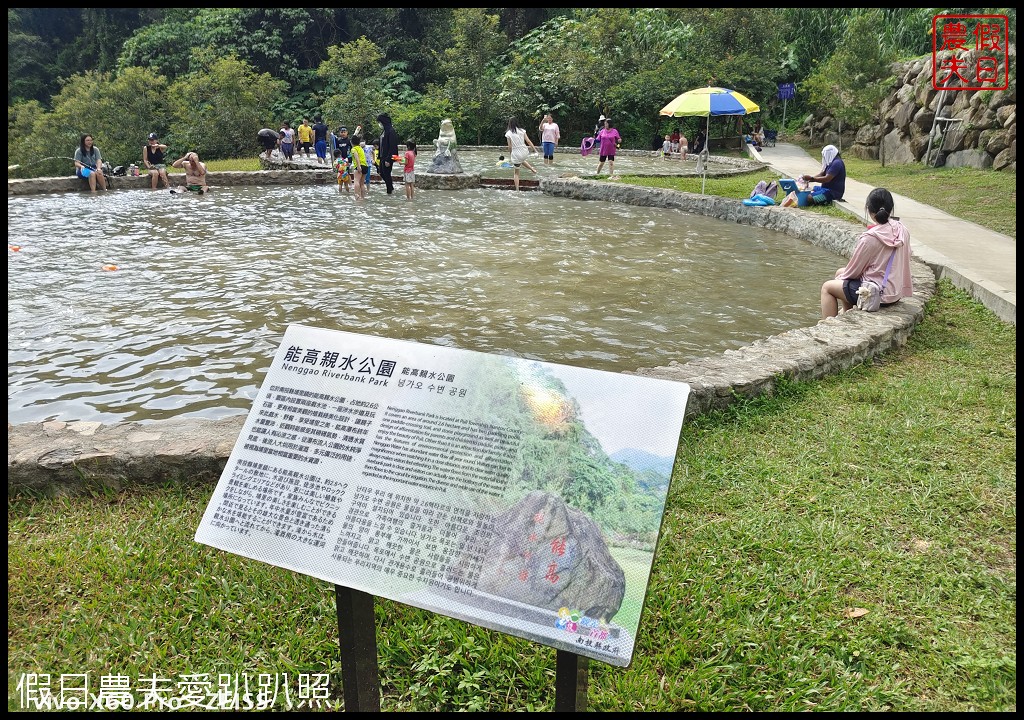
pixel 320 139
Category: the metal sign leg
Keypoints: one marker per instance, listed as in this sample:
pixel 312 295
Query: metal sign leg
pixel 357 636
pixel 570 682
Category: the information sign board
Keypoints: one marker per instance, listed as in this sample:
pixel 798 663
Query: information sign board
pixel 787 91
pixel 514 494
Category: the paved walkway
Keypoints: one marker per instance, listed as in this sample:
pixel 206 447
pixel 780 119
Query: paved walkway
pixel 973 258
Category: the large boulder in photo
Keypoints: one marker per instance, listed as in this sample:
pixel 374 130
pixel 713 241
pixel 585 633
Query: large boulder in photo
pixel 546 554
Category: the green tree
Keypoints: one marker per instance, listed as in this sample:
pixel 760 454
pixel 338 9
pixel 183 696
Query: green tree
pixel 26 54
pixel 46 45
pixel 628 63
pixel 352 74
pixel 218 111
pixel 117 111
pixel 468 66
pixel 850 84
pixel 279 41
pixel 639 98
pixel 516 22
pixel 551 68
pixel 101 35
pixel 164 47
pixel 811 36
pixel 27 149
pixel 720 33
pixel 411 35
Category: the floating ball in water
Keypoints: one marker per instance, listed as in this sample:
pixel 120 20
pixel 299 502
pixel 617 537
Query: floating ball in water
pixel 110 267
pixel 14 248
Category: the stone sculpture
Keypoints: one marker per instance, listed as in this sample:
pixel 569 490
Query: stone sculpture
pixel 445 141
pixel 446 161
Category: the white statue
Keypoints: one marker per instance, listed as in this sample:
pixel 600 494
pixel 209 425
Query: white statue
pixel 445 142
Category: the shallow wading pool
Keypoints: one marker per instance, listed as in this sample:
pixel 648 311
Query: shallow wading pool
pixel 205 287
pixel 487 165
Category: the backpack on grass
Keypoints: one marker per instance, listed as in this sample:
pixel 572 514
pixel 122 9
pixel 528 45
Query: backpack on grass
pixel 768 189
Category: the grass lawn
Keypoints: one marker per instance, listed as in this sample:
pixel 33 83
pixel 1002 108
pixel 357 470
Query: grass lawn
pixel 846 545
pixel 985 197
pixel 737 187
pixel 244 164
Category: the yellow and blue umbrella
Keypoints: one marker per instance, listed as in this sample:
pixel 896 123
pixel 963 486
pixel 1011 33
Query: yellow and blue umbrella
pixel 708 101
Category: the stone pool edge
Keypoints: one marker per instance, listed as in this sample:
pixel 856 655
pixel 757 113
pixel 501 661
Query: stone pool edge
pixel 58 458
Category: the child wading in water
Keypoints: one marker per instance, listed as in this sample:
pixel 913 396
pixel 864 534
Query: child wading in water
pixel 371 161
pixel 342 167
pixel 409 171
pixel 359 167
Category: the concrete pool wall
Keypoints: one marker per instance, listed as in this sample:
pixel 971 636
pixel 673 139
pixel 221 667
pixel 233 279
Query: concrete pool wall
pixel 54 458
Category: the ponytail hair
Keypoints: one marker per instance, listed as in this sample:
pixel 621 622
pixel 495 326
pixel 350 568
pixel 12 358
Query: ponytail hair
pixel 880 205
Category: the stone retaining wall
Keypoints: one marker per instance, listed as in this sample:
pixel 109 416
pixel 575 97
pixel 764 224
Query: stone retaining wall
pixel 278 172
pixel 281 176
pixel 58 457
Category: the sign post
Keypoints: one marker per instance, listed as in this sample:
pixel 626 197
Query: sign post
pixel 518 495
pixel 787 91
pixel 570 682
pixel 357 638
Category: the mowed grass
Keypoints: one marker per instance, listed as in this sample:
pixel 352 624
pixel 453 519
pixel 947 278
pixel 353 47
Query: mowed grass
pixel 737 187
pixel 212 166
pixel 845 545
pixel 985 197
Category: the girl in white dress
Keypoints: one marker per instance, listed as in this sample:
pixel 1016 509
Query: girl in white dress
pixel 518 141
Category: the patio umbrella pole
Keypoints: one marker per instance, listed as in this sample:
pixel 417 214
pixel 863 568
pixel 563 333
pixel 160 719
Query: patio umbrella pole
pixel 706 152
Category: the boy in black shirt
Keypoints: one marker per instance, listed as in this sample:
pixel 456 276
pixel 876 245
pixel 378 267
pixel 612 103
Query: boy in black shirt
pixel 344 143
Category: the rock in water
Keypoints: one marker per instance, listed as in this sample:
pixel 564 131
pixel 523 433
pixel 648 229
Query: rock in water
pixel 445 164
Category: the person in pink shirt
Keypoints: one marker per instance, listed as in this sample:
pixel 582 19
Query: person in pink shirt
pixel 409 169
pixel 609 140
pixel 549 137
pixel 884 240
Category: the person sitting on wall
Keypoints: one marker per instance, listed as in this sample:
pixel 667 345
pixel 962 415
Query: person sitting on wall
pixel 89 163
pixel 881 256
pixel 153 158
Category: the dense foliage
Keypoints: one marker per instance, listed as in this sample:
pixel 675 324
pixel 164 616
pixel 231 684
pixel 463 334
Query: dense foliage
pixel 120 73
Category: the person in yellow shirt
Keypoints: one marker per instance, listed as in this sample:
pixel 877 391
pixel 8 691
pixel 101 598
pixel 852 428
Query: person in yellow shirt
pixel 305 137
pixel 359 168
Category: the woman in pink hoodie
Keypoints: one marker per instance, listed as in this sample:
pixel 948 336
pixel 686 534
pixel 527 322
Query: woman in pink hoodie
pixel 887 239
